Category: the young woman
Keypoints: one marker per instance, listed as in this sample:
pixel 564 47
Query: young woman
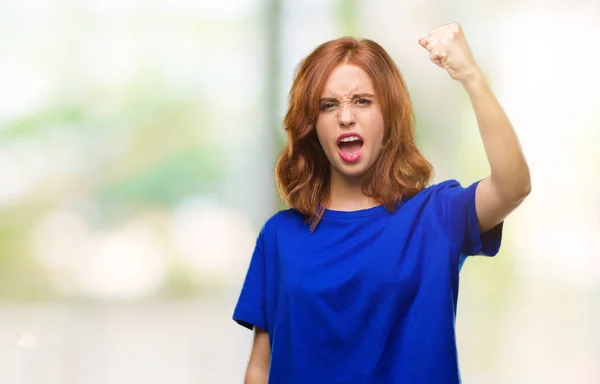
pixel 357 282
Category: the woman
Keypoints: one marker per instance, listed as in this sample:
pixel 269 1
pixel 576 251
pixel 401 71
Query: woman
pixel 358 281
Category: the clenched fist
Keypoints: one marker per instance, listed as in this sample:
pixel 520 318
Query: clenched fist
pixel 448 49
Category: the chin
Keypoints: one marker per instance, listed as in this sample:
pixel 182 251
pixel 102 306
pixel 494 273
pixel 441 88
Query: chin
pixel 352 171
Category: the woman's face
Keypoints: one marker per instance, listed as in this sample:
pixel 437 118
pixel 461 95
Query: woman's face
pixel 350 125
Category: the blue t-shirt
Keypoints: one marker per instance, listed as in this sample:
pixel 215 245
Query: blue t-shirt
pixel 369 296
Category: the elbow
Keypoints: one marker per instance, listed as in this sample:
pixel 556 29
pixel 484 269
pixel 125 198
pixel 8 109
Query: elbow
pixel 513 190
pixel 526 184
pixel 521 190
pixel 521 183
pixel 527 189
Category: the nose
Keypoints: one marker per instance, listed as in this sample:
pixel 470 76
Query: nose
pixel 346 117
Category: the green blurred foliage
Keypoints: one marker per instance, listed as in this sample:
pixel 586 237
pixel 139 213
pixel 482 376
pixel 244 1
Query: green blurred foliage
pixel 160 158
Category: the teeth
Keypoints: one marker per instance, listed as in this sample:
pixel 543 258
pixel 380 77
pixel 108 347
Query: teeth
pixel 348 139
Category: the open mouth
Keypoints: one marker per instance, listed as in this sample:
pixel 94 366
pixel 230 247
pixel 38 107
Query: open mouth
pixel 350 146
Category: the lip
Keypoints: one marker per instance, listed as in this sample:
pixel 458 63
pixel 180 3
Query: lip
pixel 348 134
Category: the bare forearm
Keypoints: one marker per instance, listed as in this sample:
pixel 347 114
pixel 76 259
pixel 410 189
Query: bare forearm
pixel 509 169
pixel 256 375
pixel 260 358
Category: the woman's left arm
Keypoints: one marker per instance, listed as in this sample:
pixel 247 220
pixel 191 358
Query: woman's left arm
pixel 509 182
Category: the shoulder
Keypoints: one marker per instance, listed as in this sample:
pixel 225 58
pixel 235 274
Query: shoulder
pixel 443 197
pixel 279 226
pixel 444 186
pixel 448 198
pixel 282 221
pixel 434 190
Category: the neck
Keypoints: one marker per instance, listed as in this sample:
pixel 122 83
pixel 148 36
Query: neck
pixel 345 194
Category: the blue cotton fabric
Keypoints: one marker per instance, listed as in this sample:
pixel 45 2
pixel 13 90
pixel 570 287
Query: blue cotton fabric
pixel 369 296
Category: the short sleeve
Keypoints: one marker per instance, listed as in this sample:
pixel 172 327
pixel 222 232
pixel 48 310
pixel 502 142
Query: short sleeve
pixel 250 309
pixel 458 217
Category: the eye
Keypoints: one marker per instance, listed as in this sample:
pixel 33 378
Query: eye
pixel 363 102
pixel 326 106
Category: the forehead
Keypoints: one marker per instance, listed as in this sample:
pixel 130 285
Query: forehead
pixel 347 79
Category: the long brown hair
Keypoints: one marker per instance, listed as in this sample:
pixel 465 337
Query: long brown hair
pixel 302 172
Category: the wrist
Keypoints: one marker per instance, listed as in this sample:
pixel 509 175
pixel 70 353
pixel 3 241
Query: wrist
pixel 474 82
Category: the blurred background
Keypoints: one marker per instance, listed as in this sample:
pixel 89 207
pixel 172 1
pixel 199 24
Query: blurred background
pixel 137 147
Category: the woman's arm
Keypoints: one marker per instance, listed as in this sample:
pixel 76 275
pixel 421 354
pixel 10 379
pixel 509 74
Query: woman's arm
pixel 509 182
pixel 260 359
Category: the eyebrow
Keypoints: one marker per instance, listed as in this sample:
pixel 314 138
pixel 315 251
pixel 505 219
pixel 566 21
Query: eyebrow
pixel 355 96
